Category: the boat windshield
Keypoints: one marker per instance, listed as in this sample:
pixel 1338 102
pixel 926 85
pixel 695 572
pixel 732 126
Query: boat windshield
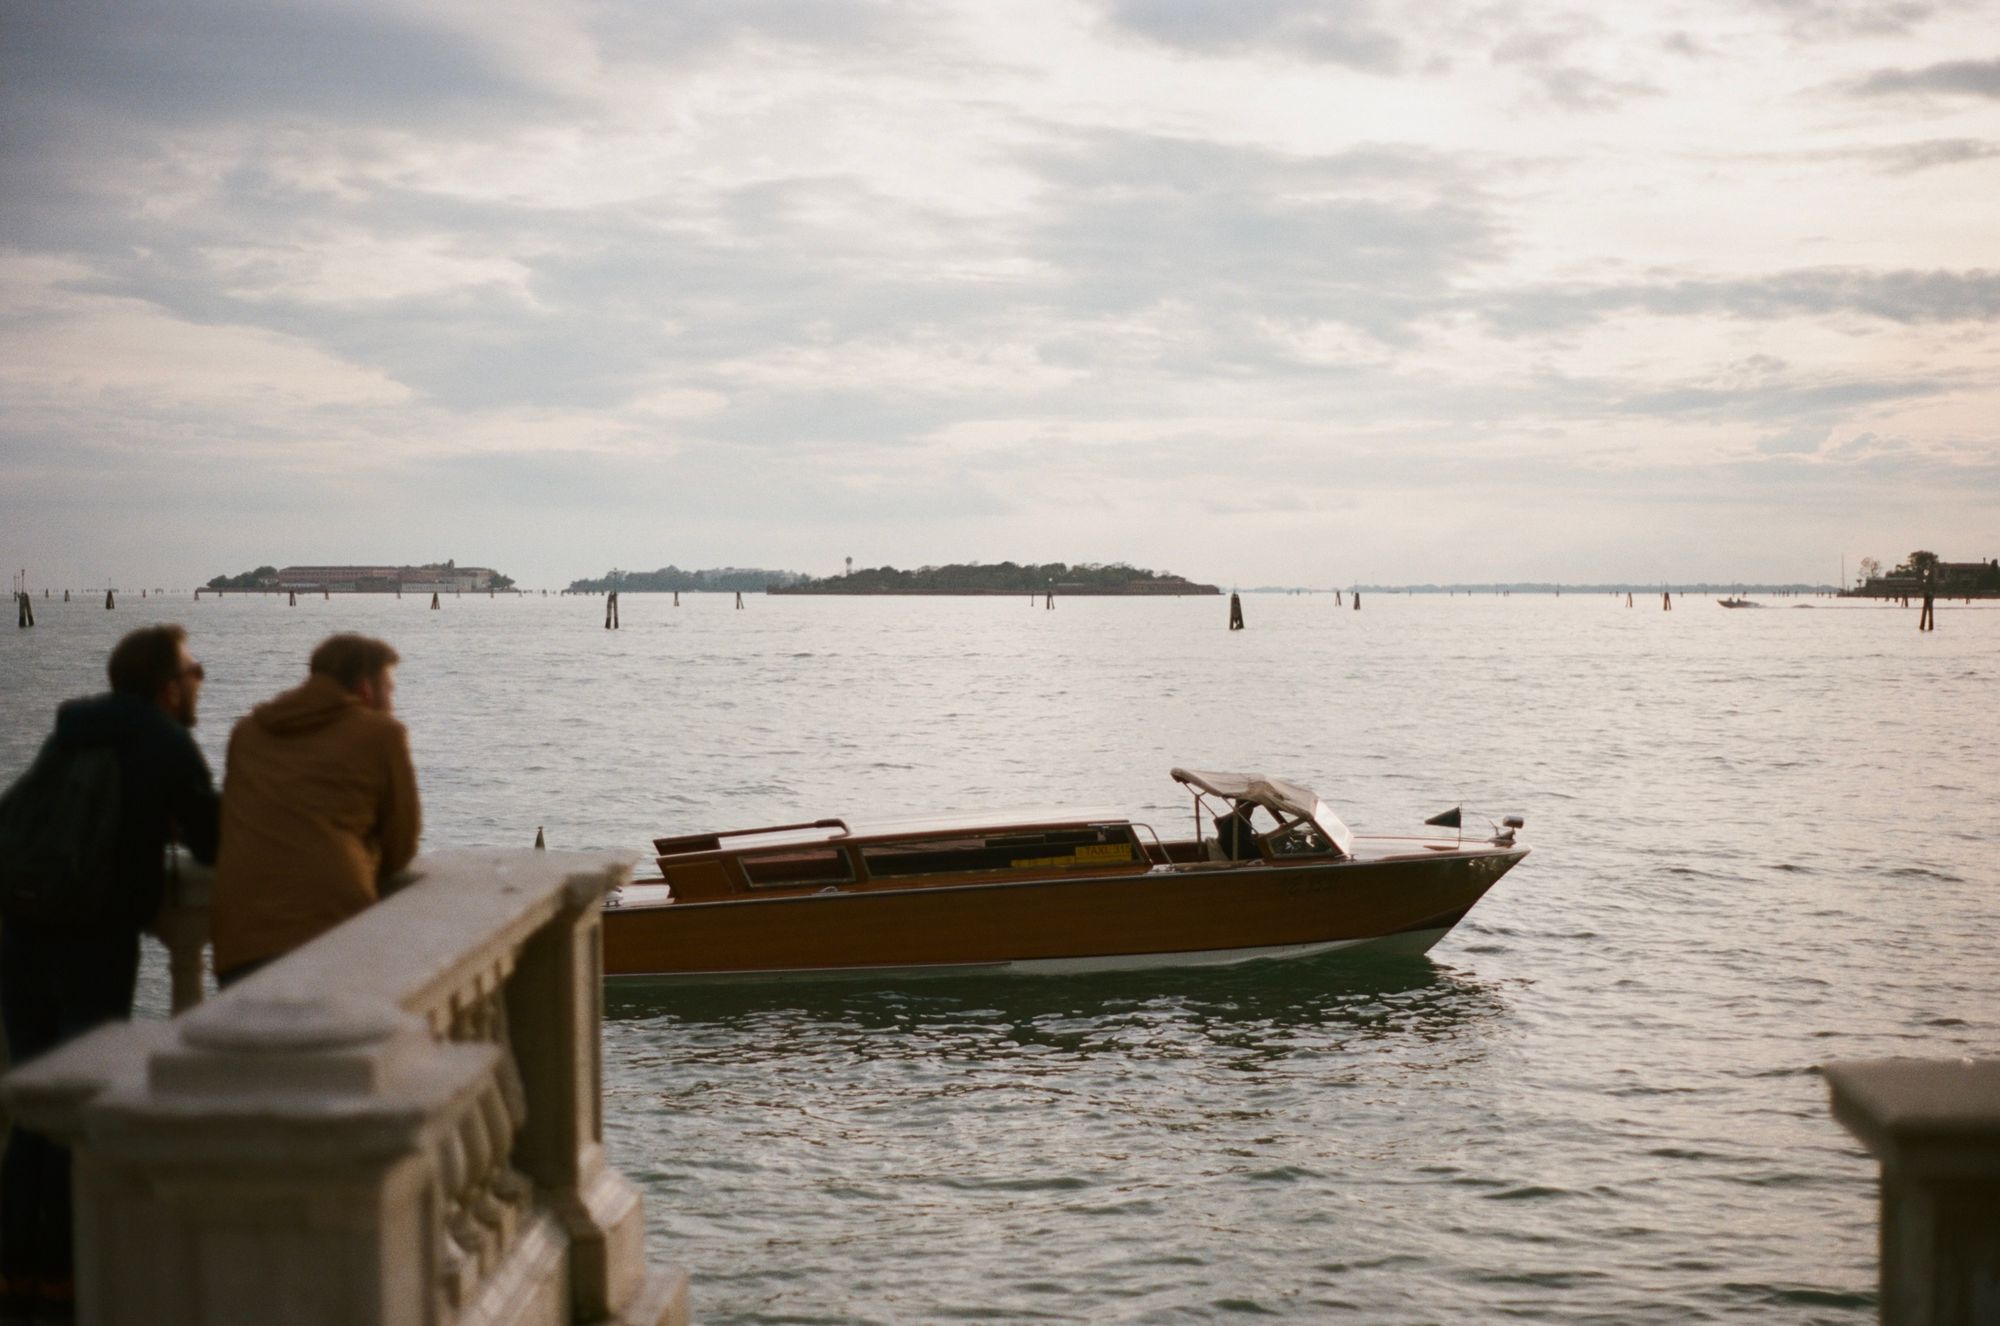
pixel 1333 827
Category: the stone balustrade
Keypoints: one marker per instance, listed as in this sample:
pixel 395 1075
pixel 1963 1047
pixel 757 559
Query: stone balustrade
pixel 399 1123
pixel 1935 1126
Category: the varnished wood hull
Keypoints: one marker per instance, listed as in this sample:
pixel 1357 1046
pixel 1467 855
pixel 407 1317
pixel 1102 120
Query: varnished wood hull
pixel 1401 903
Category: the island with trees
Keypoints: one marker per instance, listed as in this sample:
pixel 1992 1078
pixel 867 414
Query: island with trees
pixel 1082 578
pixel 1952 580
pixel 714 580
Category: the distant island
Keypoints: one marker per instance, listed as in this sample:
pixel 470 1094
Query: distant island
pixel 715 580
pixel 1950 580
pixel 1087 578
pixel 431 578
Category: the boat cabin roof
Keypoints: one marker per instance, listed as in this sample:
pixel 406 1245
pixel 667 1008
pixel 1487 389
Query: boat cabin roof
pixel 837 830
pixel 1274 794
pixel 1281 798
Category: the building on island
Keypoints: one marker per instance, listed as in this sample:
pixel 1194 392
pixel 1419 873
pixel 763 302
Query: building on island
pixel 1945 579
pixel 446 579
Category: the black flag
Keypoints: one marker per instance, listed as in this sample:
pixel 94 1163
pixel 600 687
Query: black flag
pixel 1446 820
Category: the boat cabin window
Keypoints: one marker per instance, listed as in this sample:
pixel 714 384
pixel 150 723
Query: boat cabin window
pixel 1094 846
pixel 794 866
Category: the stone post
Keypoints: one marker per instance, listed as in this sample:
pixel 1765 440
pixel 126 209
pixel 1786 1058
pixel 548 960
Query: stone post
pixel 555 1003
pixel 182 925
pixel 1935 1126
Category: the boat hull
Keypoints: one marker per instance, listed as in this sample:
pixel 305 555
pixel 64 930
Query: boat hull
pixel 1192 917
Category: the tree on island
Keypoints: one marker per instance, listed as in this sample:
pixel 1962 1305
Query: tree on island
pixel 1001 578
pixel 714 580
pixel 262 578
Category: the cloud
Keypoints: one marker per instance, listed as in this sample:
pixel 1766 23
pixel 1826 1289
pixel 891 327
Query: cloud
pixel 1772 400
pixel 185 62
pixel 1345 32
pixel 1581 90
pixel 1963 78
pixel 1842 20
pixel 1907 297
pixel 1909 158
pixel 1364 238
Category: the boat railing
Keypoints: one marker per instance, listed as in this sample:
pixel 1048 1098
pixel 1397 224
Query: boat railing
pixel 415 1097
pixel 709 842
pixel 1137 825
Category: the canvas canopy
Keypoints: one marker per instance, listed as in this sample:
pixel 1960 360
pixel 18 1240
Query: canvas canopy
pixel 1275 795
pixel 1272 793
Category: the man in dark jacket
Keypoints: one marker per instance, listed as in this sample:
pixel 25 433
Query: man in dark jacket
pixel 57 983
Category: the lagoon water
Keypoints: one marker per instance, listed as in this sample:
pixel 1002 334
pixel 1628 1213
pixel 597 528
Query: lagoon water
pixel 1763 840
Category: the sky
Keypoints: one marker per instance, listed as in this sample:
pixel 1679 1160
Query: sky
pixel 1257 291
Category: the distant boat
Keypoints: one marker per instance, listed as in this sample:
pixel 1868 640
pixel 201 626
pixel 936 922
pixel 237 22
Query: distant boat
pixel 1738 603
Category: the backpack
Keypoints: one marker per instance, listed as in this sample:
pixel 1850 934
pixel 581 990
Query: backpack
pixel 58 836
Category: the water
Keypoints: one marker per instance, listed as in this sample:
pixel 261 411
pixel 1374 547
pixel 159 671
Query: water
pixel 1762 842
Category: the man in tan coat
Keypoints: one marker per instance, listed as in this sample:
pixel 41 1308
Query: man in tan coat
pixel 319 805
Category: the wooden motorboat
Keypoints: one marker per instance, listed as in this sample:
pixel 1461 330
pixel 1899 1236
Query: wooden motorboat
pixel 1269 872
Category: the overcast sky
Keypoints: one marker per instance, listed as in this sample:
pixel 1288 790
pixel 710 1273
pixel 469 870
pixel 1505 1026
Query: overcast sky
pixel 1255 290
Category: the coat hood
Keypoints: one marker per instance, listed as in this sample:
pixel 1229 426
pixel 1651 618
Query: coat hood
pixel 321 701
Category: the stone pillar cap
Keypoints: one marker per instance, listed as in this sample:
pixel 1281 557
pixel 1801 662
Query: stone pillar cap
pixel 1920 1109
pixel 280 1024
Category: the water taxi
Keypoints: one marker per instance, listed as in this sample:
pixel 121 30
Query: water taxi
pixel 1268 872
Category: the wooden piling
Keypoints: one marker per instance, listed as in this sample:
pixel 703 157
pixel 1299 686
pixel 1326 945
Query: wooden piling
pixel 1628 598
pixel 540 846
pixel 739 598
pixel 110 598
pixel 1338 602
pixel 292 598
pixel 1357 600
pixel 65 596
pixel 611 611
pixel 27 607
pixel 1927 617
pixel 434 601
pixel 1235 613
pixel 1666 601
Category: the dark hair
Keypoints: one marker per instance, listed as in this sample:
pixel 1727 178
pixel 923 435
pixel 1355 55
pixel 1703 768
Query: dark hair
pixel 352 659
pixel 146 660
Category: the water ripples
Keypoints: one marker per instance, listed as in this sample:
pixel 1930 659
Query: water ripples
pixel 1762 842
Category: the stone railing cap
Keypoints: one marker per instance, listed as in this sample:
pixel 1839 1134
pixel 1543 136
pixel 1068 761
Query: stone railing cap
pixel 1888 1101
pixel 279 1024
